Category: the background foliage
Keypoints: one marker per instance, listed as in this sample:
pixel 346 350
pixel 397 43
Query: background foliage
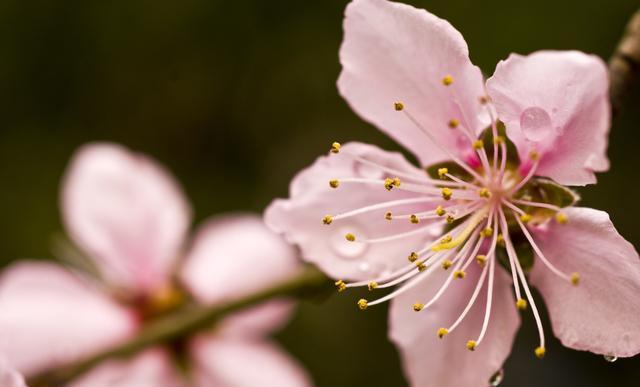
pixel 235 97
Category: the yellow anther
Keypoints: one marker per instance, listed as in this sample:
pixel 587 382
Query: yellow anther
pixel 484 99
pixel 440 211
pixel 414 219
pixel 341 285
pixel 396 181
pixel 442 172
pixel 481 260
pixel 500 240
pixel 350 237
pixel 498 140
pixel 484 193
pixel 388 216
pixel 478 144
pixel 575 279
pixel 450 219
pixel 534 155
pixel 413 256
pixel 447 80
pixel 398 106
pixel 459 274
pixel 418 306
pixel 486 232
pixel 327 219
pixel 334 183
pixel 372 285
pixel 363 304
pixel 521 304
pixel 335 147
pixel 561 218
pixel 446 193
pixel 446 239
pixel 446 264
pixel 442 332
pixel 525 218
pixel 471 345
pixel 389 184
pixel 421 266
pixel 453 123
pixel 540 351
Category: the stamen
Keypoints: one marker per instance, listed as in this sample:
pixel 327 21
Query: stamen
pixel 446 264
pixel 341 286
pixel 453 123
pixel 363 304
pixel 372 285
pixel 540 351
pixel 471 302
pixel 446 193
pixel 418 306
pixel 442 172
pixel 335 147
pixel 334 183
pixel 350 237
pixel 442 332
pixel 481 260
pixel 447 80
pixel 471 345
pixel 575 279
pixel 328 219
pixel 413 256
pixel 459 274
pixel 478 144
pixel 398 106
pixel 388 216
pixel 473 222
pixel 382 205
pixel 414 219
pixel 521 304
pixel 484 193
pixel 440 211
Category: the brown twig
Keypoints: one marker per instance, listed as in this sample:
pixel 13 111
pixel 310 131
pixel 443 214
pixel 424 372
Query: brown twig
pixel 624 64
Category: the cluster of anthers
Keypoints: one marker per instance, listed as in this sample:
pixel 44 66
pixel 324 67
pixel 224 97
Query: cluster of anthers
pixel 481 210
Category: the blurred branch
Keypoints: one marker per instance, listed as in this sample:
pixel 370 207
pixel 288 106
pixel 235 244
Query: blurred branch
pixel 182 323
pixel 624 64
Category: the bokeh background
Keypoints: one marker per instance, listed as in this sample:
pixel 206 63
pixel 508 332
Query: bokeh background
pixel 234 97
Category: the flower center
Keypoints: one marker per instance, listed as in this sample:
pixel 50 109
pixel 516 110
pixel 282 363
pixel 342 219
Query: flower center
pixel 484 209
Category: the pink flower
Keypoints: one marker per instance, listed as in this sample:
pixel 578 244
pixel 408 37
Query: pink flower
pixel 128 214
pixel 493 201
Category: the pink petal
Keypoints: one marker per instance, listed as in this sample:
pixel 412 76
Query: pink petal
pixel 557 103
pixel 126 212
pixel 151 368
pixel 299 218
pixel 236 255
pixel 602 313
pixel 257 321
pixel 431 361
pixel 244 363
pixel 49 317
pixel 9 377
pixel 394 52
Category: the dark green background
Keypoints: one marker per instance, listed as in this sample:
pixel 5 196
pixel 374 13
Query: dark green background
pixel 235 97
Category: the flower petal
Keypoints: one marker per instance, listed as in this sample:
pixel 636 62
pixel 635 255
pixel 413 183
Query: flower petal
pixel 236 255
pixel 150 368
pixel 244 363
pixel 126 212
pixel 9 377
pixel 557 103
pixel 299 218
pixel 602 313
pixel 446 362
pixel 50 317
pixel 394 52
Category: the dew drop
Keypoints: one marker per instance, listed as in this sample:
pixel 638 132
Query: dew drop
pixel 535 124
pixel 345 249
pixel 610 358
pixel 496 378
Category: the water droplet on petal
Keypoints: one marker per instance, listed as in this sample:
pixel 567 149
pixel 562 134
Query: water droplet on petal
pixel 535 124
pixel 344 248
pixel 610 358
pixel 496 378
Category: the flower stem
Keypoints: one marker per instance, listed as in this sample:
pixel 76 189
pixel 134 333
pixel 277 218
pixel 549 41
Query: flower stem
pixel 183 323
pixel 624 64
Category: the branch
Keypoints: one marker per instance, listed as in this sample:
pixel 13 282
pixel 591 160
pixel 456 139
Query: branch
pixel 624 64
pixel 182 323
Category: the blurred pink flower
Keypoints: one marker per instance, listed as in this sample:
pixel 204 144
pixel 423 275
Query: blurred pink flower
pixel 486 203
pixel 128 214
